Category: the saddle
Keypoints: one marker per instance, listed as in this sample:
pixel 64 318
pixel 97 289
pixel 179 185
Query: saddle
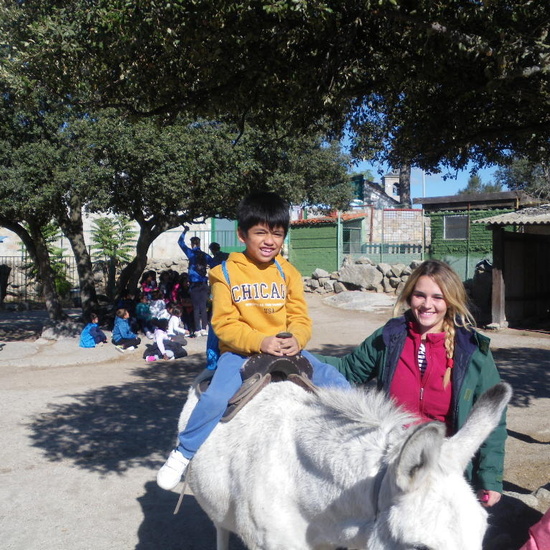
pixel 261 369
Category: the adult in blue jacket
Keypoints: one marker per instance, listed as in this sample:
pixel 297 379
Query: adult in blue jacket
pixel 199 262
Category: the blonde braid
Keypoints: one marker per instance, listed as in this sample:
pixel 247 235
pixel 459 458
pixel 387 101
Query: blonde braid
pixel 450 332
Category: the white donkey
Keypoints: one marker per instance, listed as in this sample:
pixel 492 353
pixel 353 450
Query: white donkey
pixel 295 470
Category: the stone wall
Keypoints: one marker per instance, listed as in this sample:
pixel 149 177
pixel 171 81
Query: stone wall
pixel 361 274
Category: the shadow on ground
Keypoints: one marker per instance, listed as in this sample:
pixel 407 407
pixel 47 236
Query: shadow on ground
pixel 114 428
pixel 189 529
pixel 527 370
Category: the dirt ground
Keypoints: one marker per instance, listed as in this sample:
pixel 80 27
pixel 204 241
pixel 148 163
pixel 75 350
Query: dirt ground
pixel 83 432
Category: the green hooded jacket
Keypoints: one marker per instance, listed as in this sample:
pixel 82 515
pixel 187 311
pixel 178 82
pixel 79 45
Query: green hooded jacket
pixel 474 372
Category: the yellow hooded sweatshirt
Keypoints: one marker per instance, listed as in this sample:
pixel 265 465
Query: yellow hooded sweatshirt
pixel 259 303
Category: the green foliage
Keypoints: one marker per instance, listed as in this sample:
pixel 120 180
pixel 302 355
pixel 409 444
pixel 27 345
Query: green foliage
pixel 114 238
pixel 476 187
pixel 424 82
pixel 59 266
pixel 187 171
pixel 525 175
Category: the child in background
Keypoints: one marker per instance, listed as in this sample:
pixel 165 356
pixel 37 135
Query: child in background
pixel 164 347
pixel 148 283
pixel 123 337
pixel 91 334
pixel 158 306
pixel 161 336
pixel 183 301
pixel 175 331
pixel 144 316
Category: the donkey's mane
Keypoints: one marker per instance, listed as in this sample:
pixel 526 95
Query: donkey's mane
pixel 364 408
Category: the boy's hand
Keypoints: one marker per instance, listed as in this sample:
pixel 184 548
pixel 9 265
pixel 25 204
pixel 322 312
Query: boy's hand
pixel 290 346
pixel 280 346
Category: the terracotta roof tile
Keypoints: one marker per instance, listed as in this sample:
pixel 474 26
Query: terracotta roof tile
pixel 329 219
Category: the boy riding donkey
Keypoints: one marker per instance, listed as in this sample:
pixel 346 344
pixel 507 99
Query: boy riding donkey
pixel 257 295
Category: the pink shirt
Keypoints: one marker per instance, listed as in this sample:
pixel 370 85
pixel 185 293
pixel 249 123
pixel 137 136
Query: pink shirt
pixel 423 395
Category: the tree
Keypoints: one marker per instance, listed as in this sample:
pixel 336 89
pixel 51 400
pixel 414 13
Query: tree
pixel 525 175
pixel 47 174
pixel 113 239
pixel 476 186
pixel 167 175
pixel 427 83
pixel 58 161
pixel 58 264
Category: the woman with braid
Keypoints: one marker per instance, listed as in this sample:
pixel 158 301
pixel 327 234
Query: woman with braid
pixel 434 364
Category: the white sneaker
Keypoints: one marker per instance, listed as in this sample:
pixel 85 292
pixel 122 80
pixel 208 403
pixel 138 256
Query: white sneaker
pixel 120 348
pixel 131 348
pixel 204 332
pixel 171 473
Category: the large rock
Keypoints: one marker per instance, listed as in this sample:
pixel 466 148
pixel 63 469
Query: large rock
pixel 361 275
pixel 384 268
pixel 320 274
pixel 339 287
pixel 329 285
pixel 398 269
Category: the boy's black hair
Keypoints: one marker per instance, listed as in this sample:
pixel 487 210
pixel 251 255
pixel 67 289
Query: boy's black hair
pixel 263 207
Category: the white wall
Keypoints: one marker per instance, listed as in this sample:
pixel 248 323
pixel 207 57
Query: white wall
pixel 164 246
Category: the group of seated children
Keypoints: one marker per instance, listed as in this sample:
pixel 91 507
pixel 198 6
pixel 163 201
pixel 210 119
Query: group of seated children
pixel 171 288
pixel 156 317
pixel 164 327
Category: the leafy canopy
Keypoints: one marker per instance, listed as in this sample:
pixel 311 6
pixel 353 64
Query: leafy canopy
pixel 476 186
pixel 525 175
pixel 422 82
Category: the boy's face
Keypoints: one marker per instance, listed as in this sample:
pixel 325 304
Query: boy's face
pixel 262 243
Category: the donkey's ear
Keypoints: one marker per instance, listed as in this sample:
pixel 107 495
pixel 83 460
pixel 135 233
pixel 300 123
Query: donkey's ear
pixel 482 420
pixel 419 454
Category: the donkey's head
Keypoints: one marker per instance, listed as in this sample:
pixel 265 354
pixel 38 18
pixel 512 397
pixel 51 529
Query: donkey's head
pixel 425 502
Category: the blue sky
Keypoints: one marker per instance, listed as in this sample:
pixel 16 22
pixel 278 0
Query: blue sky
pixel 432 185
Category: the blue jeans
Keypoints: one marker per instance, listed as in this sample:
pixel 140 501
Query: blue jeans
pixel 226 381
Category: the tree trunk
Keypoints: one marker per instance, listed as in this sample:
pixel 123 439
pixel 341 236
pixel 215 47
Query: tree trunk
pixel 405 185
pixel 75 235
pixel 73 229
pixel 38 251
pixel 128 280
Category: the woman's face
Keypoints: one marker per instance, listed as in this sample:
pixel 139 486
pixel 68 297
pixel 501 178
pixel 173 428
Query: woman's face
pixel 428 305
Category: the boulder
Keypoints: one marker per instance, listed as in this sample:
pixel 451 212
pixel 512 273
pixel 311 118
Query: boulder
pixel 361 275
pixel 397 269
pixel 384 268
pixel 320 273
pixel 329 285
pixel 339 287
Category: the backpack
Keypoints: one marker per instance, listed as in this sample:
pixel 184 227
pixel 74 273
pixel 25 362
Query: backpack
pixel 201 265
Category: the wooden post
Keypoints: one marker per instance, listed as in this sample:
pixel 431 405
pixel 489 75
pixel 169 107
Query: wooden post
pixel 498 306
